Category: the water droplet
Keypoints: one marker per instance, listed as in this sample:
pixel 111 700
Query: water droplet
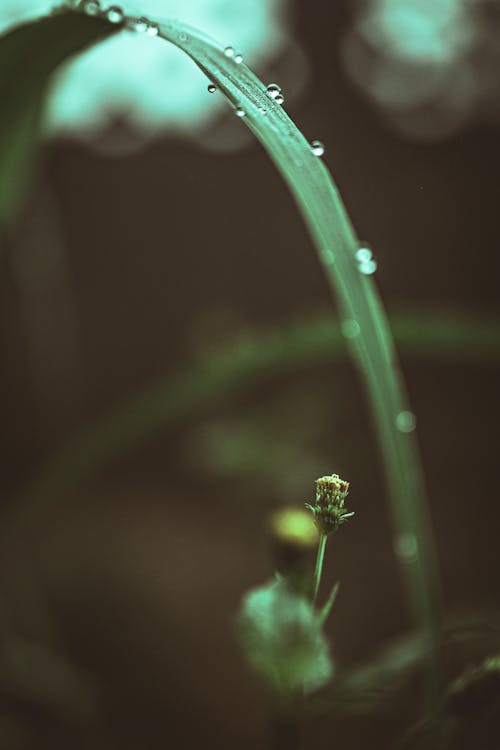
pixel 368 268
pixel 406 547
pixel 406 421
pixel 317 148
pixel 262 110
pixel 211 88
pixel 238 58
pixel 91 7
pixel 140 25
pixel 229 52
pixel 273 90
pixel 183 37
pixel 114 14
pixel 239 112
pixel 364 254
pixel 279 99
pixel 350 328
pixel 152 29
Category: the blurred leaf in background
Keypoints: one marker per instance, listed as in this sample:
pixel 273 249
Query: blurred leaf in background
pixel 282 639
pixel 28 56
pixel 272 450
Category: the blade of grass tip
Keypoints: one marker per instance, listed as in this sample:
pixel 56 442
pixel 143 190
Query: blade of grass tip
pixel 370 338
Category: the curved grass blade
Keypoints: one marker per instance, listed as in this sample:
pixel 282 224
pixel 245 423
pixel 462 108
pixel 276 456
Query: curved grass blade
pixel 28 56
pixel 335 240
pixel 324 214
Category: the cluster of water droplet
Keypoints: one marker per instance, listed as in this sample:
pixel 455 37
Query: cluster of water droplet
pixel 366 262
pixel 114 14
pixel 236 56
pixel 145 26
pixel 274 92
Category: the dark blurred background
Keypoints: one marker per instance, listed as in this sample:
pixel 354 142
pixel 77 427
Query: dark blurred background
pixel 118 594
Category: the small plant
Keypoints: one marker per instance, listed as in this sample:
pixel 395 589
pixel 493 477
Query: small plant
pixel 279 626
pixel 281 623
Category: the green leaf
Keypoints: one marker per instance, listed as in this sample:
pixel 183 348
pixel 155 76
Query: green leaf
pixel 29 54
pixel 282 639
pixel 327 607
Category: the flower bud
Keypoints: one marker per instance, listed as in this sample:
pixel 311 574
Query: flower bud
pixel 328 510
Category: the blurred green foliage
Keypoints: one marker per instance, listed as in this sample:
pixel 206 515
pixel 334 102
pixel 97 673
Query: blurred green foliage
pixel 238 447
pixel 29 55
pixel 281 637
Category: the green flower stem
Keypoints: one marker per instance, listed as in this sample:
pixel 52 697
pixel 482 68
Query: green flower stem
pixel 319 565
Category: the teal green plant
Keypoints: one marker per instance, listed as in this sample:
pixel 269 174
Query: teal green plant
pixel 329 513
pixel 279 625
pixel 348 266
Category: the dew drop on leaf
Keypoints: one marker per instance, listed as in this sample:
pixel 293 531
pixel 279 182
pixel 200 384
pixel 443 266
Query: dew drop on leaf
pixel 91 7
pixel 152 30
pixel 229 52
pixel 239 112
pixel 114 14
pixel 211 88
pixel 369 268
pixel 406 547
pixel 273 90
pixel 364 254
pixel 350 328
pixel 238 58
pixel 317 148
pixel 406 421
